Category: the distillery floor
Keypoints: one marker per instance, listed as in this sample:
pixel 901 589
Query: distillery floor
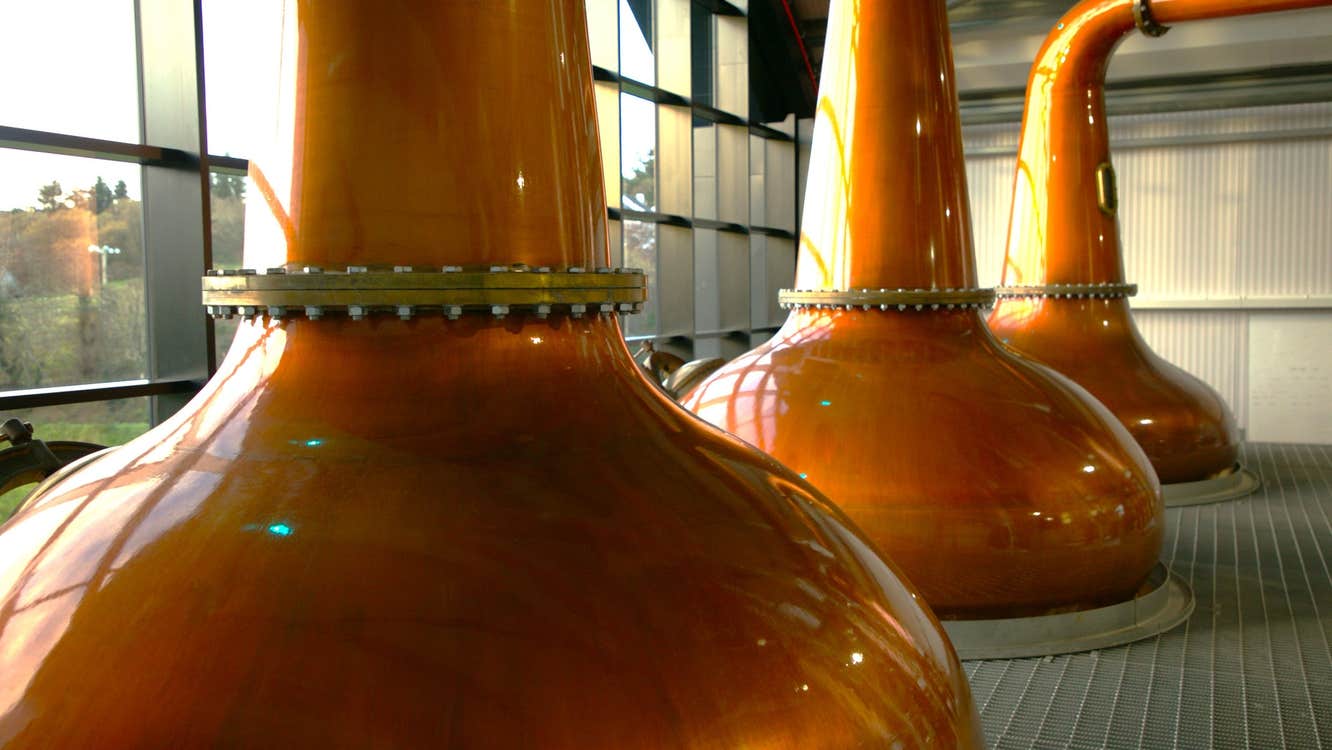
pixel 1251 668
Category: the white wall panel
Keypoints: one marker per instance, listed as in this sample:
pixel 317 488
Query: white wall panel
pixel 1290 393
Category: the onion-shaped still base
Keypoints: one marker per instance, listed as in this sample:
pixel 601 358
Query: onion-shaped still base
pixel 1232 485
pixel 1000 487
pixel 1183 425
pixel 1166 601
pixel 504 538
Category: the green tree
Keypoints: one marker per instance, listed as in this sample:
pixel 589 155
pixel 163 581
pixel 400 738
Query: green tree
pixel 49 196
pixel 228 186
pixel 102 197
pixel 122 190
pixel 228 214
pixel 121 227
pixel 639 185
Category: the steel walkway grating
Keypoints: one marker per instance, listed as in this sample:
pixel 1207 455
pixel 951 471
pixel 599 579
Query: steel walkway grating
pixel 1252 668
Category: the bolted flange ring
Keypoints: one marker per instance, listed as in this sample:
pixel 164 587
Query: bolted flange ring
pixel 885 299
pixel 1104 290
pixel 406 291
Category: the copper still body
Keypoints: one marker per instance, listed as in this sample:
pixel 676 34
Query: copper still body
pixel 1065 298
pixel 1000 487
pixel 412 526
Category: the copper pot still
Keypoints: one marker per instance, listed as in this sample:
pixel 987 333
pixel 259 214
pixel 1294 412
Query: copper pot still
pixel 1000 487
pixel 429 499
pixel 1065 298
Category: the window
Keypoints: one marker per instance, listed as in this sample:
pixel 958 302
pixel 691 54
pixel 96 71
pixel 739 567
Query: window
pixel 101 217
pixel 705 194
pixel 108 217
pixel 71 271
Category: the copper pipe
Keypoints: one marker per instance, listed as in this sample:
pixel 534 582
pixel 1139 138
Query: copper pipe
pixel 1064 230
pixel 433 532
pixel 1001 488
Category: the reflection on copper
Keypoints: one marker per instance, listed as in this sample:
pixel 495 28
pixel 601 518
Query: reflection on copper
pixel 1061 234
pixel 478 532
pixel 1001 488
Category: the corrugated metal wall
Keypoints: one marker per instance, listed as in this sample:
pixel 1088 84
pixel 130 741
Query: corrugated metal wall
pixel 1222 213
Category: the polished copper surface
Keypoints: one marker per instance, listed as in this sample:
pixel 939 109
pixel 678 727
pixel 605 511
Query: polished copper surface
pixel 476 533
pixel 1059 233
pixel 1000 487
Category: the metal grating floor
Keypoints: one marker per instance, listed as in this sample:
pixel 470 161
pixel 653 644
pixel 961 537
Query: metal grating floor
pixel 1251 668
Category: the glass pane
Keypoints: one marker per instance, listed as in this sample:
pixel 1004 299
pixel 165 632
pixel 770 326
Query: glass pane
pixel 757 193
pixel 603 33
pixel 673 52
pixel 636 59
pixel 608 122
pixel 772 268
pixel 758 282
pixel 707 301
pixel 733 174
pixel 733 275
pixel 705 169
pixel 70 67
pixel 674 161
pixel 101 422
pixel 701 54
pixel 732 84
pixel 780 262
pixel 675 283
pixel 71 271
pixel 228 212
pixel 615 239
pixel 640 251
pixel 779 185
pixel 236 60
pixel 638 148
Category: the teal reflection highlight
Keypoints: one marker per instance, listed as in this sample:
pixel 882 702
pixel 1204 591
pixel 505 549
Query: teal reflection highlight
pixel 280 529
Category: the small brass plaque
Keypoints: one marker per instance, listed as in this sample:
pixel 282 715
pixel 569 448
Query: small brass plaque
pixel 1107 193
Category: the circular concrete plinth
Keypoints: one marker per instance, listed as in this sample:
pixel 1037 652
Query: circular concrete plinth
pixel 1167 603
pixel 1236 484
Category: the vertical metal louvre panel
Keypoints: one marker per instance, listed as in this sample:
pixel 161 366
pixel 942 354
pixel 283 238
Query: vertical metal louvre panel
pixel 1211 345
pixel 990 189
pixel 1179 220
pixel 1226 220
pixel 1284 118
pixel 1285 246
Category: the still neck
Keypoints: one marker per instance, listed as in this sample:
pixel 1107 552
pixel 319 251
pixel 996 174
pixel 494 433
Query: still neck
pixel 886 200
pixel 1059 233
pixel 450 132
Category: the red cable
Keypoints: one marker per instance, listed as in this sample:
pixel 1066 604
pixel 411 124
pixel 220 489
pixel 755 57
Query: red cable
pixel 804 53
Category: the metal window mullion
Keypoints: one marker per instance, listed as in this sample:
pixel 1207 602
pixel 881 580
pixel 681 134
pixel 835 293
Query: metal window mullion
pixel 177 236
